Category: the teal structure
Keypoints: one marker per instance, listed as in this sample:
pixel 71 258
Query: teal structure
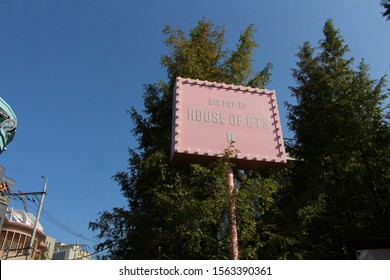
pixel 8 124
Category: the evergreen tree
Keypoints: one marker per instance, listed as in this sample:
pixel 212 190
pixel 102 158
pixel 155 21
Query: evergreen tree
pixel 181 212
pixel 341 173
pixel 386 5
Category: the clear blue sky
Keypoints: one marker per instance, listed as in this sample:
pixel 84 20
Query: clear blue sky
pixel 71 69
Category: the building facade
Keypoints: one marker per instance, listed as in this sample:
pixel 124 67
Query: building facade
pixel 50 243
pixel 16 235
pixel 63 251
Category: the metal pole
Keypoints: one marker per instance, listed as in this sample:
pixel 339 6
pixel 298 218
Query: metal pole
pixel 30 247
pixel 232 217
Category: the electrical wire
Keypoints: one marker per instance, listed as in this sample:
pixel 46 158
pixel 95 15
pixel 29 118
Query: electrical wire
pixel 91 254
pixel 61 225
pixel 33 204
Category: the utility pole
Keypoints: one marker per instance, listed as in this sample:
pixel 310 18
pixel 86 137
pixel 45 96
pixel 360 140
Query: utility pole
pixel 30 247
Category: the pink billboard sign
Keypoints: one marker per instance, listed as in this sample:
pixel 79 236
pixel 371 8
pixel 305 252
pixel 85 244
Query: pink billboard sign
pixel 208 115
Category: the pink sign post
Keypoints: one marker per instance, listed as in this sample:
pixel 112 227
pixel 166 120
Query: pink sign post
pixel 208 116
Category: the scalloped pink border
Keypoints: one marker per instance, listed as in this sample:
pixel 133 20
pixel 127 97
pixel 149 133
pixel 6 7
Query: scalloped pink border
pixel 176 126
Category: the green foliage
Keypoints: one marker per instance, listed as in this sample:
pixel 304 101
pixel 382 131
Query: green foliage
pixel 200 55
pixel 181 212
pixel 342 149
pixel 336 189
pixel 386 5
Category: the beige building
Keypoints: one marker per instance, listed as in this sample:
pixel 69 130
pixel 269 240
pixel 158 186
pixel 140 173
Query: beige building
pixel 16 235
pixel 50 243
pixel 63 251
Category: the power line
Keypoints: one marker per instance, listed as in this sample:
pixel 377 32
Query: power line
pixel 58 223
pixel 61 225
